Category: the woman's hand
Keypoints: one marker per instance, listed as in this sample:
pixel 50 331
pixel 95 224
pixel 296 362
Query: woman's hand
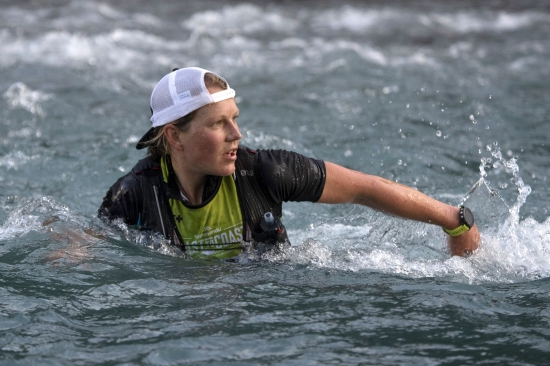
pixel 465 244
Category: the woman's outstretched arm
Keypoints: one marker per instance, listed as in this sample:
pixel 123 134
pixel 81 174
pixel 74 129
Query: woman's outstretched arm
pixel 348 186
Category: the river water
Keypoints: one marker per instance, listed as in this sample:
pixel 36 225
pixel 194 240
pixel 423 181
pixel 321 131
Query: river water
pixel 449 97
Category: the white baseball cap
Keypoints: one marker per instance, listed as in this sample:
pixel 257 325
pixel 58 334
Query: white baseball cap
pixel 179 93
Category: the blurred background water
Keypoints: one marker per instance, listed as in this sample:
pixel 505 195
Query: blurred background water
pixel 439 95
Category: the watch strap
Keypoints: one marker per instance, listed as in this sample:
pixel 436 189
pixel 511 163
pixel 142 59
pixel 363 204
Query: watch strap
pixel 458 231
pixel 463 224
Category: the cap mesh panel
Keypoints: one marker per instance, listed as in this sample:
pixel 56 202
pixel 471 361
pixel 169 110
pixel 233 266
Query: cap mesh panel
pixel 162 98
pixel 188 82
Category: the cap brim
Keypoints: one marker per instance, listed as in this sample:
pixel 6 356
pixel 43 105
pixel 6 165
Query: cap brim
pixel 143 142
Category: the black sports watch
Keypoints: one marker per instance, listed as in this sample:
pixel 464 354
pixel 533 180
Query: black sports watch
pixel 466 222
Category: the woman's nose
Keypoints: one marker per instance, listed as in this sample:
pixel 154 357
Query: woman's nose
pixel 234 134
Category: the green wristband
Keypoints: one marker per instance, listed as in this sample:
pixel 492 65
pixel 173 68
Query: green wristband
pixel 466 222
pixel 458 231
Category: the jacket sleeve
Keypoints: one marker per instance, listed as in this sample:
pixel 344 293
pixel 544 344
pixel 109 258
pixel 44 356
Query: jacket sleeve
pixel 122 201
pixel 289 176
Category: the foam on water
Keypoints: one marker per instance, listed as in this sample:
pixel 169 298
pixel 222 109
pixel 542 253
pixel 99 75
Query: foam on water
pixel 107 42
pixel 35 215
pixel 382 87
pixel 44 216
pixel 20 95
pixel 89 34
pixel 16 159
pixel 240 19
pixel 511 250
pixel 470 22
pixel 359 20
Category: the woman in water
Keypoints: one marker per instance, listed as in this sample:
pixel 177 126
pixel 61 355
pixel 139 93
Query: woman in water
pixel 211 197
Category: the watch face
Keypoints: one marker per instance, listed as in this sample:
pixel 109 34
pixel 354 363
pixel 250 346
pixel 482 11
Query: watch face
pixel 468 217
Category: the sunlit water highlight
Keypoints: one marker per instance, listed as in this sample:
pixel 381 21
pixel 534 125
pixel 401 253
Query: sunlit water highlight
pixel 450 100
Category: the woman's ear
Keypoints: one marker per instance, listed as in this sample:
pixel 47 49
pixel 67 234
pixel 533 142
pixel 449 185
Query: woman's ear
pixel 172 134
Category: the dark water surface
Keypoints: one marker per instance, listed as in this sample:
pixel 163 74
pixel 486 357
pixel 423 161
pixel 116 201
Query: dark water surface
pixel 438 95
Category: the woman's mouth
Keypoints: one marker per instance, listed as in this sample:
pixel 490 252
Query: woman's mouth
pixel 231 155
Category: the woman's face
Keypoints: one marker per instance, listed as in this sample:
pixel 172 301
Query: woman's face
pixel 211 140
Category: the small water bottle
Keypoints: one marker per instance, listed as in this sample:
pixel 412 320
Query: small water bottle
pixel 270 222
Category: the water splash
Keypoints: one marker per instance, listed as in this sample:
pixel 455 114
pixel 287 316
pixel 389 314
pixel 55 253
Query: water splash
pixel 34 215
pixel 512 250
pixel 510 167
pixel 39 230
pixel 519 249
pixel 62 234
pixel 154 241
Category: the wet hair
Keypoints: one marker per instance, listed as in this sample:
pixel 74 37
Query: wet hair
pixel 158 146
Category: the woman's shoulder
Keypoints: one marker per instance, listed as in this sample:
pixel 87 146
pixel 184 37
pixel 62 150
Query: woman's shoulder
pixel 143 169
pixel 146 164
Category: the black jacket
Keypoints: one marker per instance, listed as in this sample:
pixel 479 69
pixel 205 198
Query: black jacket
pixel 264 179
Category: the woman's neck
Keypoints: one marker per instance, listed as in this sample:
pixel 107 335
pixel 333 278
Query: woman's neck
pixel 191 185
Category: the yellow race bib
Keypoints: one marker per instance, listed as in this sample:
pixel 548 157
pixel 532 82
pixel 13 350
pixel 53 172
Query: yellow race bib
pixel 212 230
